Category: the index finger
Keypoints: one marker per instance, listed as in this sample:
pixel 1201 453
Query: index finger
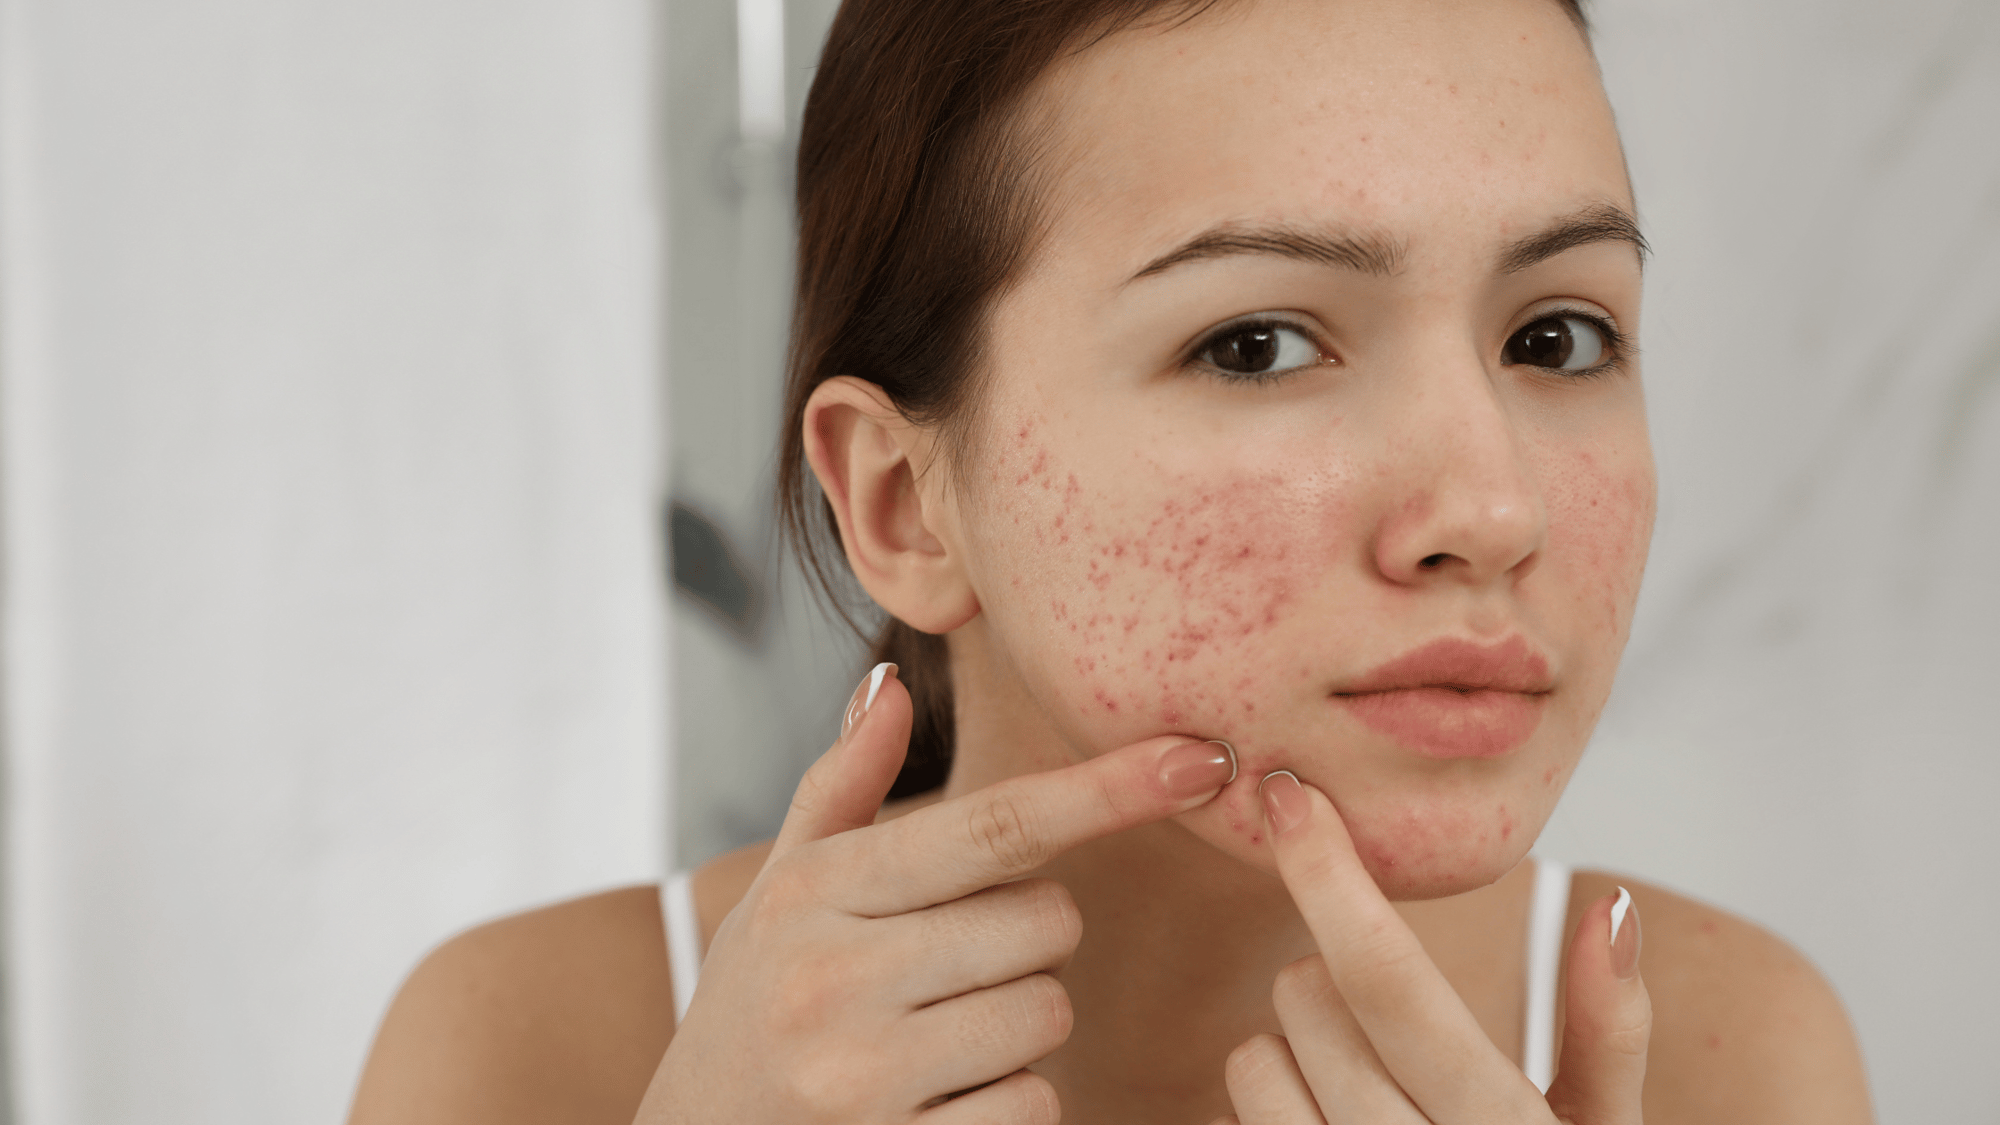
pixel 1420 1028
pixel 1004 831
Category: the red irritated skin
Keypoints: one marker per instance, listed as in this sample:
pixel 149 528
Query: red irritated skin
pixel 1399 561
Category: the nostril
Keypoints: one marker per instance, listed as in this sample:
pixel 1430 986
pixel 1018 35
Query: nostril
pixel 1432 562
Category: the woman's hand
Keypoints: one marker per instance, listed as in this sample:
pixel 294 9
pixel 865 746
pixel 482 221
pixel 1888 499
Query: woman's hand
pixel 1374 1035
pixel 872 971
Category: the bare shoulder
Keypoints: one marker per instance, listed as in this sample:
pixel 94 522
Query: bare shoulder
pixel 1744 1027
pixel 556 1014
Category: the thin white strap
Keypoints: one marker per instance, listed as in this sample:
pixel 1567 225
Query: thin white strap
pixel 683 939
pixel 1546 915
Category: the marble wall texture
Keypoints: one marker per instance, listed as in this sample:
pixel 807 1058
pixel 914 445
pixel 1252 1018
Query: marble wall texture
pixel 329 408
pixel 1804 728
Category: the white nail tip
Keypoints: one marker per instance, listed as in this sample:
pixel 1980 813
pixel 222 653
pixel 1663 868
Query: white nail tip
pixel 1618 910
pixel 875 679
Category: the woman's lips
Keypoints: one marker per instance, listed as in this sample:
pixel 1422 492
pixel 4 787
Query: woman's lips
pixel 1453 698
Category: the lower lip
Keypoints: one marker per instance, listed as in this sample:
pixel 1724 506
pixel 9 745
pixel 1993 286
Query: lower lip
pixel 1442 723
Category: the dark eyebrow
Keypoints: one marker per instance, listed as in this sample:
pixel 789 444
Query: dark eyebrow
pixel 1363 252
pixel 1600 223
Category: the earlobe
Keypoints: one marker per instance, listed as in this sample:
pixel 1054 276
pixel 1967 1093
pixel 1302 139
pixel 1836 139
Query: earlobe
pixel 897 539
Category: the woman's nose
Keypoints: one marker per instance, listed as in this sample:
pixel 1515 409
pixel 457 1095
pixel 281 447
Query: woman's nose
pixel 1465 507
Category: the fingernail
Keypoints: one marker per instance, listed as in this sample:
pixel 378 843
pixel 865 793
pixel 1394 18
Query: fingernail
pixel 864 697
pixel 1194 768
pixel 1286 805
pixel 1624 936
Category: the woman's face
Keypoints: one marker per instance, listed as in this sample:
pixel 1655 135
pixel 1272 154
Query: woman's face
pixel 1310 426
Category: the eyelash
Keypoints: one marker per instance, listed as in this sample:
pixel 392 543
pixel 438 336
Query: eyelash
pixel 1259 378
pixel 1617 344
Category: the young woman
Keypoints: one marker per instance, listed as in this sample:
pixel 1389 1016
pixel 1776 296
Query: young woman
pixel 1235 410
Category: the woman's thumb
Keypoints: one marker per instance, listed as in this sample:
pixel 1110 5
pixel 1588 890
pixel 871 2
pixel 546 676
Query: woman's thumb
pixel 845 788
pixel 1607 1019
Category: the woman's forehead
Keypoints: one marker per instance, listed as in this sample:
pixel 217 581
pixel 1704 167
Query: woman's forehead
pixel 1429 122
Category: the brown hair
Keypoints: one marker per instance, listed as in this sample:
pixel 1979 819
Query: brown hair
pixel 915 211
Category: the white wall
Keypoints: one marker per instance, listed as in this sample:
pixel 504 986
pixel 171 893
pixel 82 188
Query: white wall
pixel 1803 728
pixel 332 600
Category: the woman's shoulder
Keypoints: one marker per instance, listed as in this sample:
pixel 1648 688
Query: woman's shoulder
pixel 1744 1027
pixel 559 1013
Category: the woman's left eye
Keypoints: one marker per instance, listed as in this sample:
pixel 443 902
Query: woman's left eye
pixel 1560 343
pixel 1266 348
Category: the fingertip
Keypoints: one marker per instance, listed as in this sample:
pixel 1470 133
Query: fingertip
pixel 1193 773
pixel 845 788
pixel 1286 804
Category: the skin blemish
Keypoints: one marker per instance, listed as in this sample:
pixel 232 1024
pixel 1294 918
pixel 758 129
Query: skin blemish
pixel 1197 579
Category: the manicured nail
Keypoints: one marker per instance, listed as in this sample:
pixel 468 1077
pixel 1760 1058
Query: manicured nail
pixel 1286 805
pixel 1194 768
pixel 1624 936
pixel 864 697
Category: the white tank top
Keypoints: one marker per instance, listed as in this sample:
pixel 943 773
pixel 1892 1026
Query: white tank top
pixel 1547 913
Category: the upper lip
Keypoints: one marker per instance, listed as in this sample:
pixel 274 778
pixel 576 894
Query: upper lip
pixel 1461 665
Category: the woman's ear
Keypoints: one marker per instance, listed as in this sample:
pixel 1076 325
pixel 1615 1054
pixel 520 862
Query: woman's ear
pixel 901 544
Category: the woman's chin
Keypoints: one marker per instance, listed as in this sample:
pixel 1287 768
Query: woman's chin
pixel 1415 847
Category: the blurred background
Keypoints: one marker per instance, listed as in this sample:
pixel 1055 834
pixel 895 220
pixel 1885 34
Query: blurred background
pixel 387 404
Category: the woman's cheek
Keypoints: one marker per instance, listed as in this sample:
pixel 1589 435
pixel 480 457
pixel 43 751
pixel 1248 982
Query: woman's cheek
pixel 1600 513
pixel 1156 609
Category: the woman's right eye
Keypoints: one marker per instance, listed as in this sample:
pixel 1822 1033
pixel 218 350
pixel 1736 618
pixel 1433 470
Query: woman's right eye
pixel 1259 349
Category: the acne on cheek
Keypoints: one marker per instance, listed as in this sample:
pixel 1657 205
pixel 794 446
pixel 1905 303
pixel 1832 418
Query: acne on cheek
pixel 1155 598
pixel 1417 842
pixel 1600 519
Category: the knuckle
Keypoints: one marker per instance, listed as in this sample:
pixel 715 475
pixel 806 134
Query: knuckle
pixel 832 1085
pixel 1306 979
pixel 1002 831
pixel 1037 1101
pixel 784 889
pixel 1049 1012
pixel 1632 1036
pixel 1249 1065
pixel 1021 1098
pixel 1630 1042
pixel 811 793
pixel 1054 913
pixel 1376 963
pixel 1033 1013
pixel 813 990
